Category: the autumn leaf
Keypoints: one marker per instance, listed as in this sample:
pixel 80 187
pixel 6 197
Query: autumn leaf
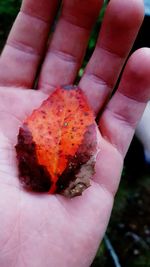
pixel 57 144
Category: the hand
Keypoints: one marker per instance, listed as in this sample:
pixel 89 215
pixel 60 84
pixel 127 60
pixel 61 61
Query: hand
pixel 50 230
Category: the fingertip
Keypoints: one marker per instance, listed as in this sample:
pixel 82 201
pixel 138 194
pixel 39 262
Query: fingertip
pixel 120 26
pixel 135 82
pixel 132 10
pixel 140 60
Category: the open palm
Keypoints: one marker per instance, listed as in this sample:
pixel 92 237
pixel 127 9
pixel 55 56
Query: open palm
pixel 50 230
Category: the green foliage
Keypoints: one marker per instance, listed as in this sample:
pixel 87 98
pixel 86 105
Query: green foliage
pixel 9 7
pixel 8 12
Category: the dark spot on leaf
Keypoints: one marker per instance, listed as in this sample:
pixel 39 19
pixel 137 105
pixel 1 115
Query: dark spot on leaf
pixel 32 175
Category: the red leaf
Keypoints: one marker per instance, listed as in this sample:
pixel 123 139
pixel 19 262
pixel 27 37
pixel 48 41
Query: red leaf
pixel 57 144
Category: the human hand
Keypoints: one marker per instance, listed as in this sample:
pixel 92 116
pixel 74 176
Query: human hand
pixel 50 230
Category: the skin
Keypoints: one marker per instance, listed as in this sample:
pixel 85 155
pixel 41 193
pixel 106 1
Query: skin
pixel 50 230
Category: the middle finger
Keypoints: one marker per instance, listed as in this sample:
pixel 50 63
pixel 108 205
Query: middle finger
pixel 69 42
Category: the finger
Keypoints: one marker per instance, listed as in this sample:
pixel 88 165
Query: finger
pixel 26 42
pixel 118 122
pixel 125 109
pixel 69 43
pixel 119 29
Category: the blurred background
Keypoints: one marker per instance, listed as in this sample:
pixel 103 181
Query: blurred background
pixel 127 241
